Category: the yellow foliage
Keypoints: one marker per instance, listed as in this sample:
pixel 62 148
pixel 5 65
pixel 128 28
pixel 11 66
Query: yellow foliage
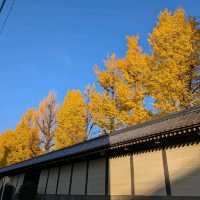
pixel 135 68
pixel 170 75
pixel 71 120
pixel 103 106
pixel 174 42
pixel 135 65
pixel 103 110
pixel 7 147
pixel 21 144
pixel 121 102
pixel 27 137
pixel 108 77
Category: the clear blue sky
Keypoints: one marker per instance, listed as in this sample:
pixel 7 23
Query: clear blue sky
pixel 54 44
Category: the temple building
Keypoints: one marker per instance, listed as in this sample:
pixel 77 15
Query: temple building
pixel 157 159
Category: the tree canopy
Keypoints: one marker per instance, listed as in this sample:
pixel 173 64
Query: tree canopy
pixel 170 74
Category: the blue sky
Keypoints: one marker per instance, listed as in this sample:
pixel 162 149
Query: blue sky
pixel 53 45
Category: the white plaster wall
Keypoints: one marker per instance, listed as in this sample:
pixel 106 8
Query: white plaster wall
pixel 149 174
pixel 184 170
pixel 119 176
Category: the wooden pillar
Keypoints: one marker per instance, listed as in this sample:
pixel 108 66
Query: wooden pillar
pixel 166 173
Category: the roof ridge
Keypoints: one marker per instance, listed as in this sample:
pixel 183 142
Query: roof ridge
pixel 56 151
pixel 157 120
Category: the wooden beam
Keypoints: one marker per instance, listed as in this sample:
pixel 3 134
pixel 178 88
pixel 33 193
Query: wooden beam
pixel 132 175
pixel 70 182
pixel 166 173
pixel 107 178
pixel 47 181
pixel 58 179
pixel 86 181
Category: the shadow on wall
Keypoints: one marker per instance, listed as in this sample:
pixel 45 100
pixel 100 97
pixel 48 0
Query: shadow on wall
pixel 27 191
pixel 8 192
pixel 187 185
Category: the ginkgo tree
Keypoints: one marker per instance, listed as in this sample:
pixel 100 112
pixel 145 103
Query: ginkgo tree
pixel 175 57
pixel 27 137
pixel 71 120
pixel 45 117
pixel 121 101
pixel 7 147
pixel 22 143
pixel 170 74
pixel 135 69
pixel 104 106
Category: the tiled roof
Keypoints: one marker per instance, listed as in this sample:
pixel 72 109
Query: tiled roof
pixel 170 122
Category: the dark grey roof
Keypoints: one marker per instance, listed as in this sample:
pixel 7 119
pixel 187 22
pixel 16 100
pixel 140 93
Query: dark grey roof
pixel 86 146
pixel 185 118
pixel 170 122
